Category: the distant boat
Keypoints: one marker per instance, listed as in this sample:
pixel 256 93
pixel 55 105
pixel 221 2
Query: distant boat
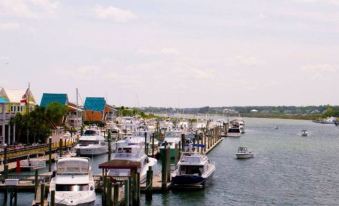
pixel 91 143
pixel 243 153
pixel 329 120
pixel 304 133
pixel 276 127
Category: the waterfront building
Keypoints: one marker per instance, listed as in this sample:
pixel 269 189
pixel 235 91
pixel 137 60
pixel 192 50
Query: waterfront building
pixel 13 102
pixel 74 115
pixel 97 110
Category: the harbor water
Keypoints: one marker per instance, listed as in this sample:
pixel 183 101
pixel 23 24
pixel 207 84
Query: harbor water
pixel 287 169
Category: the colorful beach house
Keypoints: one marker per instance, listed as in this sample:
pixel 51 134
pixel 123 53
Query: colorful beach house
pixel 97 110
pixel 13 101
pixel 74 115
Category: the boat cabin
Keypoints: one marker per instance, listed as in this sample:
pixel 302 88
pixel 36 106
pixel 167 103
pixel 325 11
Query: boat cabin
pixel 73 166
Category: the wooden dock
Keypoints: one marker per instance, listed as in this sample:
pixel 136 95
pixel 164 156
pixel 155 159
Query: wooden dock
pixel 156 185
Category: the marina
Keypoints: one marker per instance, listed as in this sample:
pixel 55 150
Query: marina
pixel 258 130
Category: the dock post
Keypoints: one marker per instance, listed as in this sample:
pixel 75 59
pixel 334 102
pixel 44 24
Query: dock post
pixel 109 193
pixel 42 193
pixel 153 145
pixel 109 137
pixel 149 184
pixel 182 142
pixel 36 183
pixel 60 147
pixel 163 168
pixel 15 196
pixel 138 188
pixel 176 157
pixel 134 187
pixel 146 145
pixel 49 154
pixel 52 198
pixel 168 168
pixel 127 191
pixel 104 195
pixel 116 194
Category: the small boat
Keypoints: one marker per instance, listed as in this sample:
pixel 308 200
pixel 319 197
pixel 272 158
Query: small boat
pixel 34 163
pixel 304 133
pixel 276 127
pixel 243 153
pixel 234 132
pixel 73 182
pixel 193 171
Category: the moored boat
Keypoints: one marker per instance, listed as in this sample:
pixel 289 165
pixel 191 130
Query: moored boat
pixel 193 171
pixel 91 143
pixel 73 182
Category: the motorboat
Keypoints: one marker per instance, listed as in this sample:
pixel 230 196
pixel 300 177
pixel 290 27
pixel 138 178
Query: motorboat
pixel 193 171
pixel 128 151
pixel 34 163
pixel 243 153
pixel 234 132
pixel 91 143
pixel 304 133
pixel 73 182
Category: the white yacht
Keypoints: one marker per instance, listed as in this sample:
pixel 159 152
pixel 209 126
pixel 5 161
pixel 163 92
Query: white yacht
pixel 73 182
pixel 243 153
pixel 193 170
pixel 233 132
pixel 91 143
pixel 132 151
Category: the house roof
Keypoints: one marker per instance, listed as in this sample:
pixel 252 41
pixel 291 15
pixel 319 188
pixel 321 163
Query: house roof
pixel 16 95
pixel 3 100
pixel 95 104
pixel 48 98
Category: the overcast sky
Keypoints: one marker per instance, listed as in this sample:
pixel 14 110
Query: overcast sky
pixel 179 53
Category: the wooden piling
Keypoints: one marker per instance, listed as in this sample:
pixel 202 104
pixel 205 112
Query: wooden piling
pixel 109 193
pixel 109 137
pixel 116 194
pixel 182 142
pixel 153 145
pixel 53 198
pixel 146 145
pixel 60 148
pixel 36 183
pixel 42 194
pixel 49 154
pixel 149 183
pixel 127 191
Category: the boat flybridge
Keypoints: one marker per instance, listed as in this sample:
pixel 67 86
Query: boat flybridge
pixel 193 170
pixel 131 151
pixel 91 143
pixel 73 182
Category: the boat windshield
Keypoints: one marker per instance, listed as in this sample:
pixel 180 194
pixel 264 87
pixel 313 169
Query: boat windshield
pixel 88 142
pixel 90 133
pixel 234 130
pixel 73 188
pixel 191 170
pixel 72 167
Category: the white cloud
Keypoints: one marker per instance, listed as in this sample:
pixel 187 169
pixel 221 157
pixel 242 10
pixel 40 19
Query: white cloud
pixel 170 51
pixel 9 26
pixel 319 68
pixel 319 71
pixel 333 2
pixel 28 8
pixel 115 14
pixel 247 60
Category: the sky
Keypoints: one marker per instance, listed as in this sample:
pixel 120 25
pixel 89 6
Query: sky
pixel 173 53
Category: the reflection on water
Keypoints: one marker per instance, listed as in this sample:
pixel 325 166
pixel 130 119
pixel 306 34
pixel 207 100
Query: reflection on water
pixel 287 169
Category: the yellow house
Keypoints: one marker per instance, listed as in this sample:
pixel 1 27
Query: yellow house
pixel 11 103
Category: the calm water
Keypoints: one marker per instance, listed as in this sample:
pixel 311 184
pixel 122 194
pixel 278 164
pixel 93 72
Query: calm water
pixel 287 169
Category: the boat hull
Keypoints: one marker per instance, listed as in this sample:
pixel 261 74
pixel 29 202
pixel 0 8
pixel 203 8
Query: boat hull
pixel 231 134
pixel 91 151
pixel 188 181
pixel 244 156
